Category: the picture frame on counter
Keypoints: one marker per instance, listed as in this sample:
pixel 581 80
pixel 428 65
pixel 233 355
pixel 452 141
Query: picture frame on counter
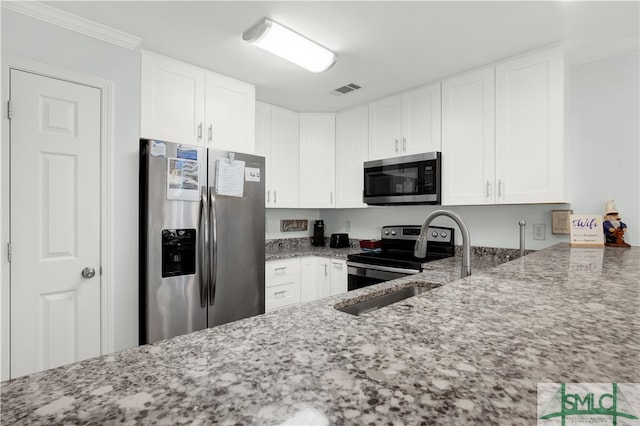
pixel 560 221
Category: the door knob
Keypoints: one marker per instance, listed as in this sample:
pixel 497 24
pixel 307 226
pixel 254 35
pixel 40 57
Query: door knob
pixel 88 272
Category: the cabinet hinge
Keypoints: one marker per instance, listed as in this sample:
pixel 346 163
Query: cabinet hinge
pixel 9 252
pixel 9 110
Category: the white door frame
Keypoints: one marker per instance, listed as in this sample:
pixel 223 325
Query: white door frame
pixel 106 209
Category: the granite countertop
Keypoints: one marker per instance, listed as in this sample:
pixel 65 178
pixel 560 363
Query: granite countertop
pixel 471 351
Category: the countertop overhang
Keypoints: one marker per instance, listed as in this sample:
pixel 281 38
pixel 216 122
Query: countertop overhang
pixel 469 352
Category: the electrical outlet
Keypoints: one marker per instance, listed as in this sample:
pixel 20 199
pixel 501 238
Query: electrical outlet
pixel 348 226
pixel 539 231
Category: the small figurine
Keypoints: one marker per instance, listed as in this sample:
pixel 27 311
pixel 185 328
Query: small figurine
pixel 614 228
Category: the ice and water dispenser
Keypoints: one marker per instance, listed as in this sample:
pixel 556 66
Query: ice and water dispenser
pixel 178 252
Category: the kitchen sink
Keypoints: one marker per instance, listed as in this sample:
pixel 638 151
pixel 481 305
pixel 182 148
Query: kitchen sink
pixel 377 302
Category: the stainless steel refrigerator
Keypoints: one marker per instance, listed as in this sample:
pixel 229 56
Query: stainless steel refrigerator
pixel 201 238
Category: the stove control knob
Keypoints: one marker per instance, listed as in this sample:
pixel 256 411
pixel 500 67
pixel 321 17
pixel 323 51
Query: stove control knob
pixel 434 234
pixel 443 234
pixel 386 232
pixel 393 233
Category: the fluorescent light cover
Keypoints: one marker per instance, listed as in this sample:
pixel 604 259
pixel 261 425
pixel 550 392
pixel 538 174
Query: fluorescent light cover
pixel 289 45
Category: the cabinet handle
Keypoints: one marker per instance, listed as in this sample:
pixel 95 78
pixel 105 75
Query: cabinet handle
pixel 500 189
pixel 337 264
pixel 281 268
pixel 331 198
pixel 279 293
pixel 326 272
pixel 396 144
pixel 268 197
pixel 275 200
pixel 404 144
pixel 210 132
pixel 200 131
pixel 488 189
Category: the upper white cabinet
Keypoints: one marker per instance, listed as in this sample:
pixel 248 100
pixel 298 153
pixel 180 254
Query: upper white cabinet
pixel 530 149
pixel 172 100
pixel 317 160
pixel 405 124
pixel 517 154
pixel 352 150
pixel 468 138
pixel 230 114
pixel 277 136
pixel 185 104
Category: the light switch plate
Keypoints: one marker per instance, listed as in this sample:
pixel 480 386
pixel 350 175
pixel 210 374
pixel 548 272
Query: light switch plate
pixel 539 231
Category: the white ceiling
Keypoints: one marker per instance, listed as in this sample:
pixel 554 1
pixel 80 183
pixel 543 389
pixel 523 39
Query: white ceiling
pixel 385 46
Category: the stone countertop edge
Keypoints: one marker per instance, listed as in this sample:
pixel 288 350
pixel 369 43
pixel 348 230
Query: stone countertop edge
pixel 469 352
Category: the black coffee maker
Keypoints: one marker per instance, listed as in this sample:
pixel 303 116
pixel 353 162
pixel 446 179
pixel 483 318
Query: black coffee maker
pixel 318 233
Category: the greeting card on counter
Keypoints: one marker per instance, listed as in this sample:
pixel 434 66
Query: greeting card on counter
pixel 586 230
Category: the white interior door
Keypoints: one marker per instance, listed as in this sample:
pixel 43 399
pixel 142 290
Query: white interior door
pixel 55 222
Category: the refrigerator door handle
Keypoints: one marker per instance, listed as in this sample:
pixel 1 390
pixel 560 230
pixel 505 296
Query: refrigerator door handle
pixel 203 226
pixel 214 245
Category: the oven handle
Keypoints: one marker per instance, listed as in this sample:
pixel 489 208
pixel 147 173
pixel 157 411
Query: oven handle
pixel 384 268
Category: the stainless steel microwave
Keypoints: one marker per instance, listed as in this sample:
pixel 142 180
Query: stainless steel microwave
pixel 410 179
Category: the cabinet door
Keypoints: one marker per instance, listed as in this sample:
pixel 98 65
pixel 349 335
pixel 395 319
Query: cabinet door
pixel 230 114
pixel 338 276
pixel 317 160
pixel 421 120
pixel 282 283
pixel 385 129
pixel 530 155
pixel 468 139
pixel 352 150
pixel 263 142
pixel 285 187
pixel 172 100
pixel 315 279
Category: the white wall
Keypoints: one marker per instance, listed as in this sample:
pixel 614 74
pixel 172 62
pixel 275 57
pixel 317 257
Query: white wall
pixel 273 217
pixel 605 132
pixel 36 40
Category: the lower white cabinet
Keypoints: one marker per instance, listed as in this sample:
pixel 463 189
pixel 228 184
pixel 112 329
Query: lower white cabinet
pixel 282 283
pixel 299 280
pixel 338 276
pixel 315 280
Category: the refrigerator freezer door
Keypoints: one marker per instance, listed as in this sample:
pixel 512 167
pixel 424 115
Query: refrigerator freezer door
pixel 237 242
pixel 172 283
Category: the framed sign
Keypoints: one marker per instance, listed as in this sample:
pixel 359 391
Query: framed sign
pixel 586 230
pixel 560 223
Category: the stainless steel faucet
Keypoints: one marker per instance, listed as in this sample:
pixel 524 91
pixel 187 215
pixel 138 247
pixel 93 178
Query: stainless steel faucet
pixel 421 244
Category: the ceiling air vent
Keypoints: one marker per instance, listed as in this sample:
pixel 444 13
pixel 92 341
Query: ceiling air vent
pixel 348 88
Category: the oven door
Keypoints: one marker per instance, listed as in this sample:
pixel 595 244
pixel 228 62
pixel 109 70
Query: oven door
pixel 411 179
pixel 363 275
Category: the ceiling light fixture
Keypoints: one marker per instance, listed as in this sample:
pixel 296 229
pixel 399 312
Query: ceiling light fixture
pixel 280 40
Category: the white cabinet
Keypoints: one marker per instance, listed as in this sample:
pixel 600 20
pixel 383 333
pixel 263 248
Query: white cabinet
pixel 315 282
pixel 530 149
pixel 385 132
pixel 339 276
pixel 230 114
pixel 185 104
pixel 405 124
pixel 322 277
pixel 317 160
pixel 352 150
pixel 282 283
pixel 172 100
pixel 517 154
pixel 277 136
pixel 468 138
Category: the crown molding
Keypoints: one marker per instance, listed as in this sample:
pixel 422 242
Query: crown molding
pixel 604 51
pixel 72 22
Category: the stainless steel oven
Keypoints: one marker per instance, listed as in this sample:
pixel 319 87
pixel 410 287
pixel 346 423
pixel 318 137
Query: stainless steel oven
pixel 410 179
pixel 395 258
